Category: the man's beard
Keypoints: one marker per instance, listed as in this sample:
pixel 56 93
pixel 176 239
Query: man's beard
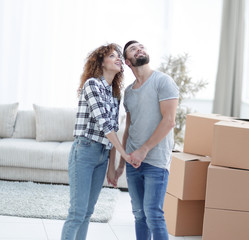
pixel 140 61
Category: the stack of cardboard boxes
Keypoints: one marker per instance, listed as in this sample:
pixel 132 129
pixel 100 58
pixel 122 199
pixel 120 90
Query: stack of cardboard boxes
pixel 227 195
pixel 185 198
pixel 184 201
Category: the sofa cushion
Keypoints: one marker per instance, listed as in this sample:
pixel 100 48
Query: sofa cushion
pixel 33 174
pixel 8 114
pixel 27 153
pixel 25 125
pixel 60 156
pixel 54 124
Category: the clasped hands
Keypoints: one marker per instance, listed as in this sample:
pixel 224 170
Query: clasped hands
pixel 135 158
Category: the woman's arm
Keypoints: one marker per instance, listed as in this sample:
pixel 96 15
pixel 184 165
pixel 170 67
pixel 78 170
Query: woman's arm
pixel 113 138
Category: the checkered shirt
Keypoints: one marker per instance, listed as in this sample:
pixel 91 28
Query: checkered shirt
pixel 97 111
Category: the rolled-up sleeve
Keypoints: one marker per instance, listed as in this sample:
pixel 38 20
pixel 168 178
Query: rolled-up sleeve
pixel 97 106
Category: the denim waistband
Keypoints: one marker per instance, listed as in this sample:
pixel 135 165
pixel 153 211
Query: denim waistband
pixel 78 138
pixel 82 137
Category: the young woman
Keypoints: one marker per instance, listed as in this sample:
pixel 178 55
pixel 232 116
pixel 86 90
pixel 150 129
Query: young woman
pixel 95 135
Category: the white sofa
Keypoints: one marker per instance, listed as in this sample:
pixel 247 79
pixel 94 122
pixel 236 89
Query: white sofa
pixel 35 144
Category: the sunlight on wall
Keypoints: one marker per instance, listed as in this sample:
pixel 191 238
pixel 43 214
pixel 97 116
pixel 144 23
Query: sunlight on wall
pixel 44 43
pixel 195 29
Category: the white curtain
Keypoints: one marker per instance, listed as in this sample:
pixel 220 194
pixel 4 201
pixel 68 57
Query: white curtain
pixel 230 70
pixel 43 43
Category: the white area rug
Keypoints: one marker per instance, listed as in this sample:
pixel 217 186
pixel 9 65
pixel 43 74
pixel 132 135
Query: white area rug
pixel 28 199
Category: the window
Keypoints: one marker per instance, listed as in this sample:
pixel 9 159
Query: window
pixel 195 29
pixel 45 42
pixel 245 88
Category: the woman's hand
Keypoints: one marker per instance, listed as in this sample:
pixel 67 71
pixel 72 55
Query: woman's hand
pixel 111 176
pixel 127 158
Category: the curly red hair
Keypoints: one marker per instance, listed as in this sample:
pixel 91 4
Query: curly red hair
pixel 93 68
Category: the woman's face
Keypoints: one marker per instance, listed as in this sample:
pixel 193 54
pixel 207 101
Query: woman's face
pixel 112 63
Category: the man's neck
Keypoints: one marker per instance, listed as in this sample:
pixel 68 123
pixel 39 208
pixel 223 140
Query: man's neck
pixel 142 73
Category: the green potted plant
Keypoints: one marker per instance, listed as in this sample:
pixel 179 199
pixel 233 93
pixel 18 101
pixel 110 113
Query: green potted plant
pixel 177 69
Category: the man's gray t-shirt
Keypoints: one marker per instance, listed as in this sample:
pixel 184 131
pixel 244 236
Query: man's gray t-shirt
pixel 143 104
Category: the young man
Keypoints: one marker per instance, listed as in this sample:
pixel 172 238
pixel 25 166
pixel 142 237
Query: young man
pixel 150 102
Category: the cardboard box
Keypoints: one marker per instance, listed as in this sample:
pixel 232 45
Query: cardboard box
pixel 222 224
pixel 227 188
pixel 199 133
pixel 188 176
pixel 183 218
pixel 231 144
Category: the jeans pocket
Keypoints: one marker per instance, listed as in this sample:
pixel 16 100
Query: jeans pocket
pixel 72 152
pixel 166 176
pixel 84 142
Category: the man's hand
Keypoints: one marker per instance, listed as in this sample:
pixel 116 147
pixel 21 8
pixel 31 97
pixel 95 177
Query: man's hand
pixel 138 156
pixel 119 171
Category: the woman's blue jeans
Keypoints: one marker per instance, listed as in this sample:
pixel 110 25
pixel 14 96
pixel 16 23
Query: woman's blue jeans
pixel 147 188
pixel 87 167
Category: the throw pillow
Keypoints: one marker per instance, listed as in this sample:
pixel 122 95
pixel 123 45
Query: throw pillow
pixel 54 124
pixel 25 125
pixel 8 114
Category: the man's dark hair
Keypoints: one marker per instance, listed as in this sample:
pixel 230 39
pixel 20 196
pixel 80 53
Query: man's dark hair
pixel 127 45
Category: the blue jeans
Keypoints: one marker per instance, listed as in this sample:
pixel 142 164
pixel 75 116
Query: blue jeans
pixel 147 188
pixel 87 167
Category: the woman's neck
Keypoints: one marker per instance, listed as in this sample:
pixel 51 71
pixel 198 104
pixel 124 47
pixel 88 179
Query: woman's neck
pixel 109 76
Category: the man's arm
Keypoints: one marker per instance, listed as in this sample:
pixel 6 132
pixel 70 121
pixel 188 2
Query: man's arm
pixel 111 168
pixel 168 111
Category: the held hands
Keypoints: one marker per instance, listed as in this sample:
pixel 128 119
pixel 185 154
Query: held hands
pixel 135 159
pixel 138 156
pixel 131 161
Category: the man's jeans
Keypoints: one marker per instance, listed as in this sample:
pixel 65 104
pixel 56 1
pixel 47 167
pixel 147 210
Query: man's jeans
pixel 147 187
pixel 87 167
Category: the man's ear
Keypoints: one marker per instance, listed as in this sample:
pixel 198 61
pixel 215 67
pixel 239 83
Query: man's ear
pixel 127 62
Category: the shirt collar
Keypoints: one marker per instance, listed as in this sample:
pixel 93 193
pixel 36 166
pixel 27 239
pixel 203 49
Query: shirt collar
pixel 105 83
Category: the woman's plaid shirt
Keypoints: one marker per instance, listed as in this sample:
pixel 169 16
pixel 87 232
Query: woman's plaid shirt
pixel 97 111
